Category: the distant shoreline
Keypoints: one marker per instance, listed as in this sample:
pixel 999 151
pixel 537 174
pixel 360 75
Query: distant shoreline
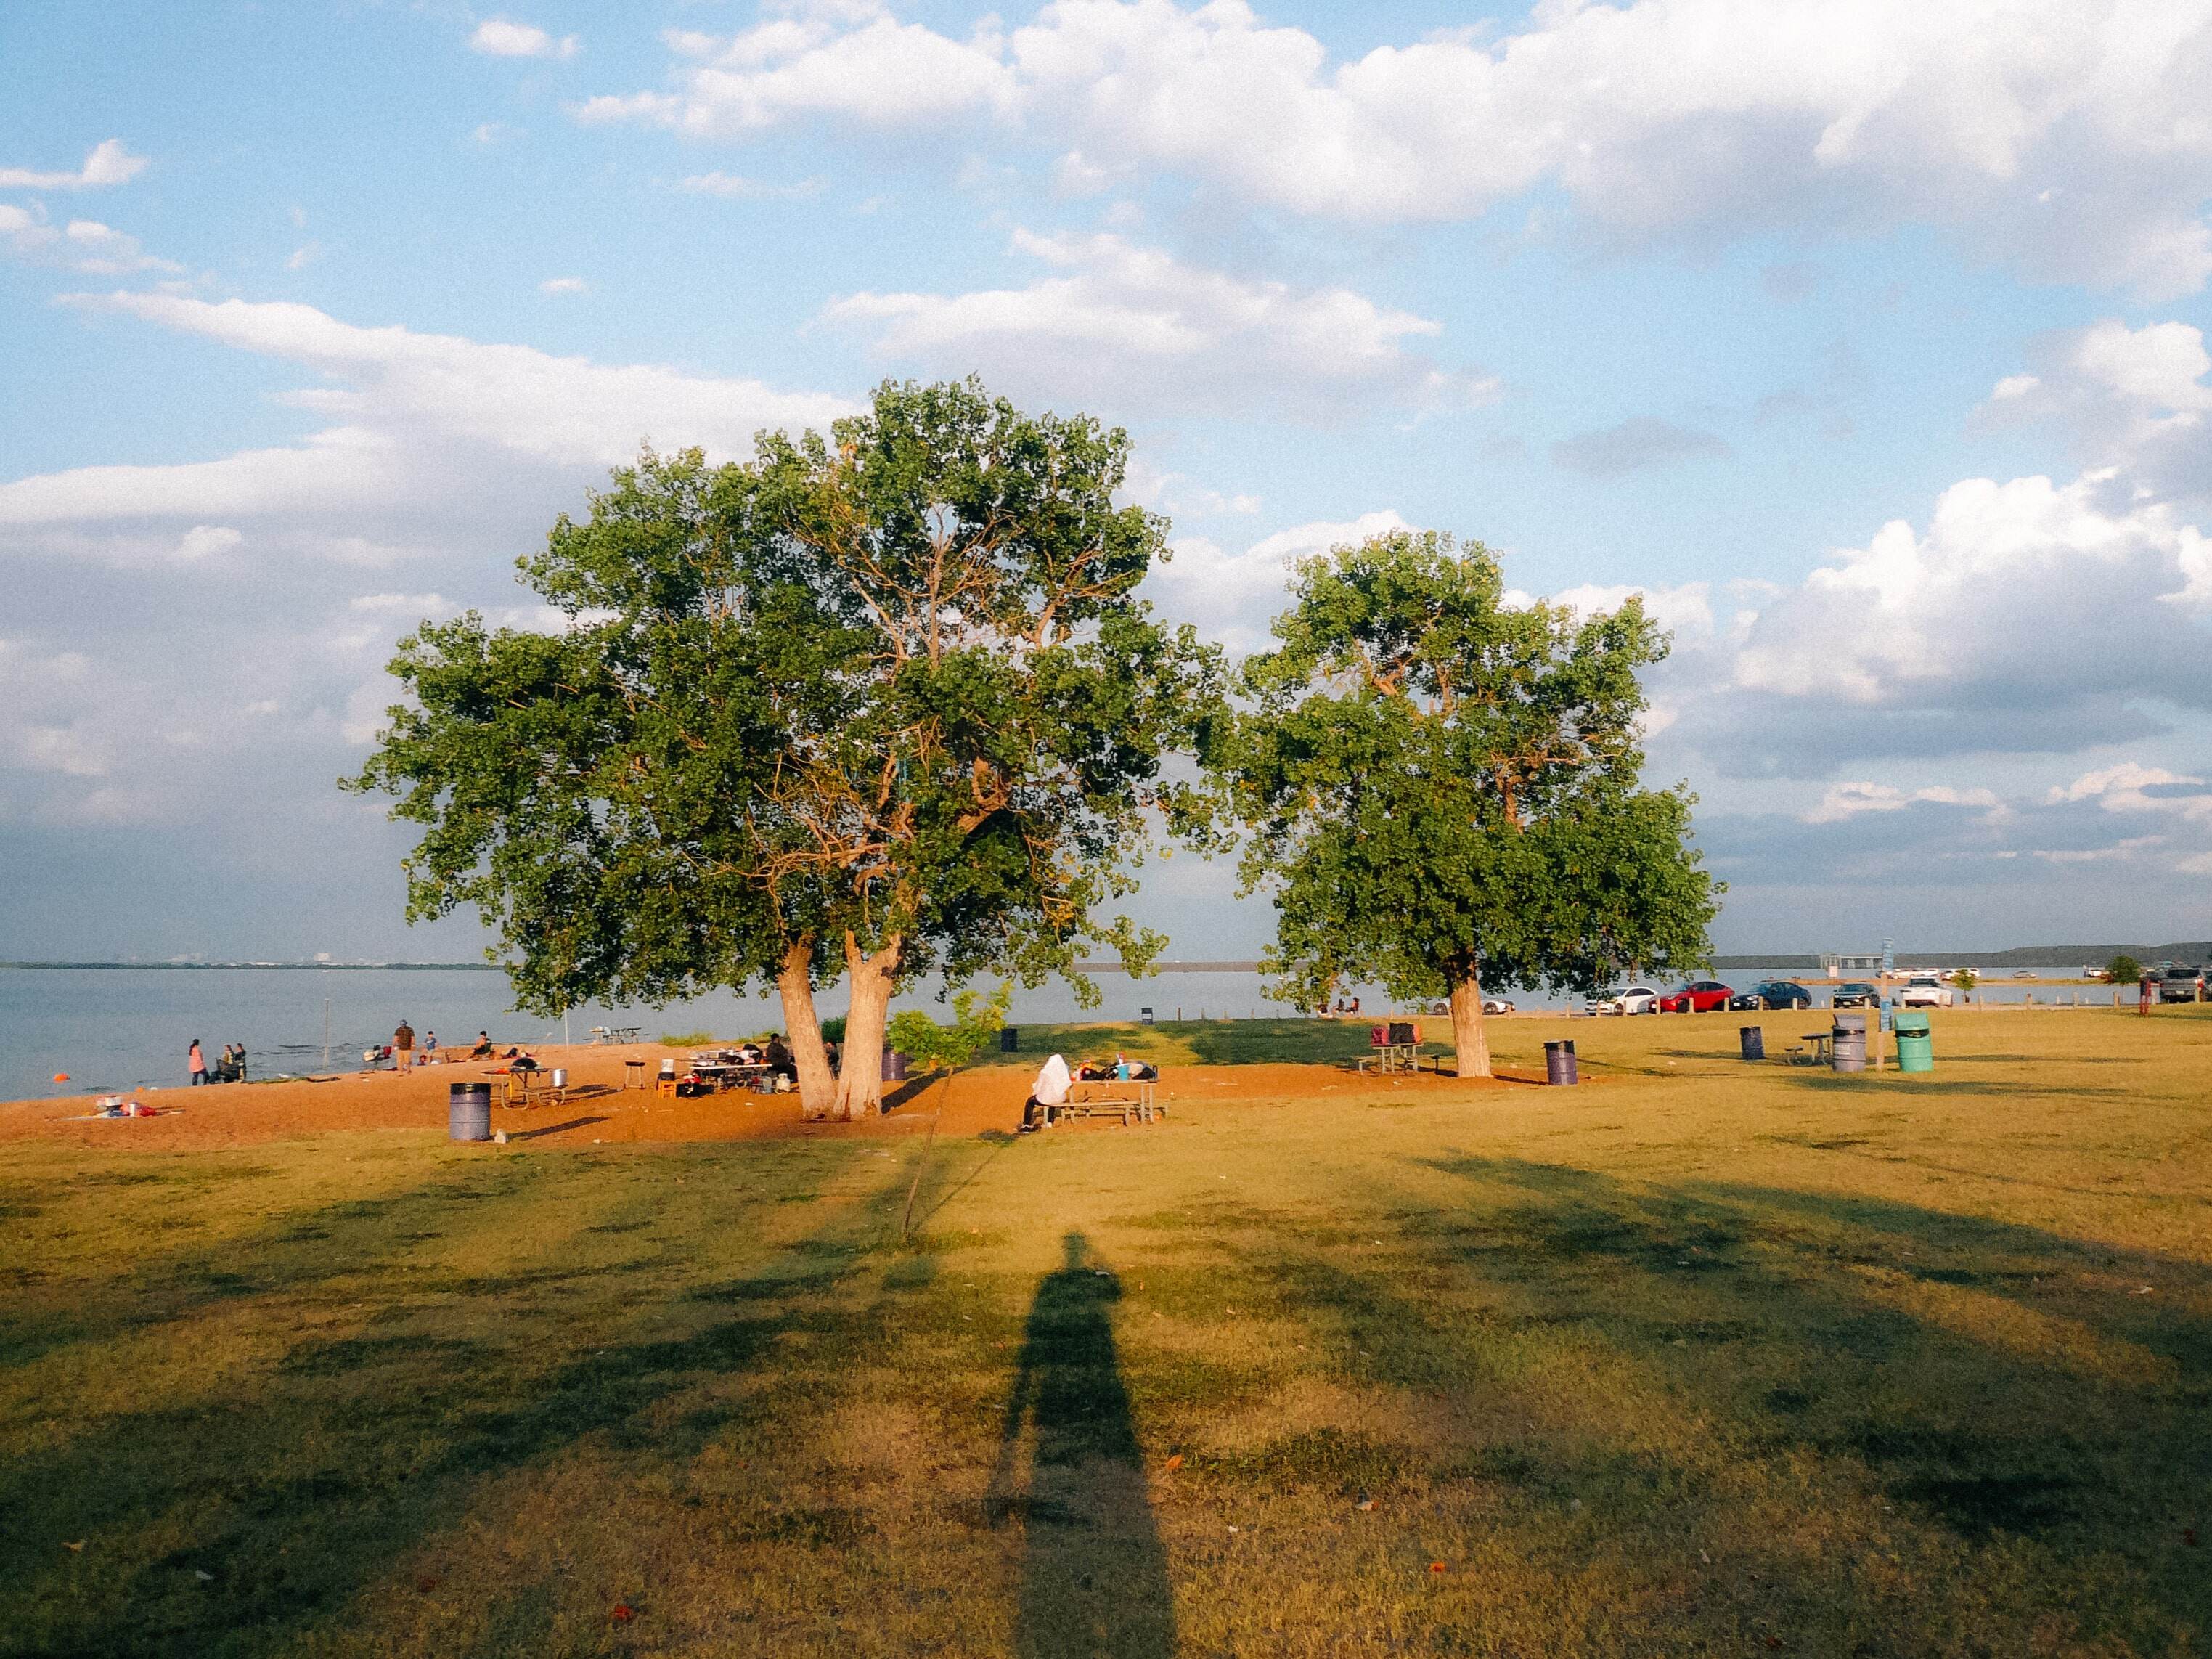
pixel 262 967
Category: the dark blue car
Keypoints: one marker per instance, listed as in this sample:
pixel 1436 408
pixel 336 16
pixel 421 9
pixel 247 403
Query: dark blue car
pixel 1778 994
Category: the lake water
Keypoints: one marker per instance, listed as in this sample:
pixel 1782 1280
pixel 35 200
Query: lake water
pixel 122 1027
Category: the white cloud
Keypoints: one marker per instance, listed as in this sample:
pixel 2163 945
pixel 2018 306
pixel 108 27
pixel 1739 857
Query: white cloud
pixel 2062 135
pixel 207 541
pixel 2132 786
pixel 108 163
pixel 1140 327
pixel 498 37
pixel 84 246
pixel 854 64
pixel 303 256
pixel 399 400
pixel 564 285
pixel 1845 800
pixel 401 604
pixel 1233 597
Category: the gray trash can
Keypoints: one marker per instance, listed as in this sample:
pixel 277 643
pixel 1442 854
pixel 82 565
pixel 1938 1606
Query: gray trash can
pixel 1559 1069
pixel 1144 1017
pixel 468 1111
pixel 1847 1047
pixel 1754 1038
pixel 894 1065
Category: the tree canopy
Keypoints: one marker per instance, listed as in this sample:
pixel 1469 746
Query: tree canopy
pixel 1443 789
pixel 880 702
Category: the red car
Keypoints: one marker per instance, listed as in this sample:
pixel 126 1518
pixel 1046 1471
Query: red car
pixel 1699 997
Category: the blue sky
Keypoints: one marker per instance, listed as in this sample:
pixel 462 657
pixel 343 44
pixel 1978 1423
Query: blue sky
pixel 1864 338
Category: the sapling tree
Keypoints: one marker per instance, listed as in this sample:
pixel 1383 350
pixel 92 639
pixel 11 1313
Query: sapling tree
pixel 879 704
pixel 1443 789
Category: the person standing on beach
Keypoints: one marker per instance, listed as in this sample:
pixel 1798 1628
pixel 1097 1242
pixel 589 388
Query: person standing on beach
pixel 402 1046
pixel 197 1062
pixel 431 1049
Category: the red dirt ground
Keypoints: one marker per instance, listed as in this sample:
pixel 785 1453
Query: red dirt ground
pixel 599 1109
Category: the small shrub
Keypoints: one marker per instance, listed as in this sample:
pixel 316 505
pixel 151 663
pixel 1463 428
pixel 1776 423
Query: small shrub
pixel 684 1039
pixel 832 1030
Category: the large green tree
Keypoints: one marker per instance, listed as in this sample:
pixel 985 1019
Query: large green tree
pixel 1443 789
pixel 879 704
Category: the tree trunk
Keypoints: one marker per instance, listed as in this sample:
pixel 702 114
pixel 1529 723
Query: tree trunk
pixel 860 1084
pixel 817 1084
pixel 1467 1035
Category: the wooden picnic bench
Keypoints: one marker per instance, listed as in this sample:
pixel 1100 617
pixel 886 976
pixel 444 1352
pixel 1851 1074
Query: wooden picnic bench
pixel 1133 1100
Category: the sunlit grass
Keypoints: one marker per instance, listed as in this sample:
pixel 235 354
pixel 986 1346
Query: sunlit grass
pixel 1701 1358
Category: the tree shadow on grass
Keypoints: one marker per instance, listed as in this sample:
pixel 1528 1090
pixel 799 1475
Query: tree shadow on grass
pixel 1094 1572
pixel 1993 1400
pixel 298 1492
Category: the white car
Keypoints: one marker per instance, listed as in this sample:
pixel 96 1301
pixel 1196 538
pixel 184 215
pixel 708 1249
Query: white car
pixel 1925 991
pixel 1496 1005
pixel 1635 999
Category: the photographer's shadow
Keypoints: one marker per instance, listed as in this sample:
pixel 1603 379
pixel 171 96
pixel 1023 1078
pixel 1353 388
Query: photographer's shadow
pixel 1094 1575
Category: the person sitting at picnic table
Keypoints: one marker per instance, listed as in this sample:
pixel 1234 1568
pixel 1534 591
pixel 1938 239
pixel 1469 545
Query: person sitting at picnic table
pixel 482 1050
pixel 778 1058
pixel 1047 1095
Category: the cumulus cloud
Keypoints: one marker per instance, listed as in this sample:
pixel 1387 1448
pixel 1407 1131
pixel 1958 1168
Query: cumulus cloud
pixel 1140 327
pixel 2061 136
pixel 1233 596
pixel 1633 445
pixel 2029 617
pixel 2130 398
pixel 855 63
pixel 500 37
pixel 108 163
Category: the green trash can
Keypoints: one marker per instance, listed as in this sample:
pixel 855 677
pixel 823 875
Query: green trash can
pixel 1915 1047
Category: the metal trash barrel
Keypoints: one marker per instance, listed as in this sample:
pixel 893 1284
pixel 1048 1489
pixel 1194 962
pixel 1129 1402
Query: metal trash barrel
pixel 1144 1017
pixel 1847 1047
pixel 1754 1038
pixel 1010 1039
pixel 468 1111
pixel 1559 1069
pixel 894 1065
pixel 1915 1042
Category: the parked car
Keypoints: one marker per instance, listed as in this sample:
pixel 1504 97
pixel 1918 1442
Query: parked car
pixel 2026 972
pixel 1699 996
pixel 2181 985
pixel 1491 1006
pixel 1780 993
pixel 1635 999
pixel 1855 993
pixel 1925 991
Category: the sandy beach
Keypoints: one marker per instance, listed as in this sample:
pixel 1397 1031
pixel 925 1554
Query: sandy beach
pixel 599 1109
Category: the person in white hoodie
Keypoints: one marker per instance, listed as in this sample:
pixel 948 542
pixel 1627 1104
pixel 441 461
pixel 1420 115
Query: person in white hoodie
pixel 1047 1095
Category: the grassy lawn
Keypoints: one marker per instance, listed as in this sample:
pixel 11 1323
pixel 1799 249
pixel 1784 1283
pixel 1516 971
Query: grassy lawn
pixel 1700 1359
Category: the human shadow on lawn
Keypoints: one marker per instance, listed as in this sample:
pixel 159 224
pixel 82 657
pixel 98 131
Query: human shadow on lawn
pixel 1094 1572
pixel 297 1497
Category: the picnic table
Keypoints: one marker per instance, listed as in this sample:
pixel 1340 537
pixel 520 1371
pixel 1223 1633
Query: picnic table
pixel 728 1073
pixel 1811 1049
pixel 605 1035
pixel 1131 1099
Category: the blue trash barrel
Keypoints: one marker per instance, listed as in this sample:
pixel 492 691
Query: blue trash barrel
pixel 468 1111
pixel 1559 1069
pixel 1009 1040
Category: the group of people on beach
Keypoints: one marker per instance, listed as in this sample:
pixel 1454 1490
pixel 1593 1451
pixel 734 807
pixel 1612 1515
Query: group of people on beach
pixel 230 1069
